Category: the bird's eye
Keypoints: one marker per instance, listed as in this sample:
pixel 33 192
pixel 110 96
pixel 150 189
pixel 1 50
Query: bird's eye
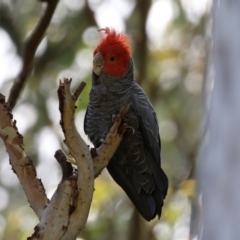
pixel 112 59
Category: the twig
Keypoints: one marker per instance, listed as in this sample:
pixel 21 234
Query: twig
pixel 29 48
pixel 67 169
pixel 21 163
pixel 78 91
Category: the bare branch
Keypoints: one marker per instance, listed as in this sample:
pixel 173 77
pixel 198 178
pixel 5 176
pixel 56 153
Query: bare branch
pixel 66 214
pixel 79 150
pixel 21 163
pixel 67 169
pixel 78 91
pixel 29 48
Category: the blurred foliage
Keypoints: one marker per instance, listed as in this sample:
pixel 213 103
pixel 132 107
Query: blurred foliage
pixel 169 69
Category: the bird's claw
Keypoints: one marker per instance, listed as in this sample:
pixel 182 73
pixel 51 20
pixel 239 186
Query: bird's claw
pixel 103 141
pixel 114 116
pixel 125 120
pixel 133 130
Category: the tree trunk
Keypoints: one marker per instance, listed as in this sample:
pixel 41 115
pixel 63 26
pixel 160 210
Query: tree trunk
pixel 219 156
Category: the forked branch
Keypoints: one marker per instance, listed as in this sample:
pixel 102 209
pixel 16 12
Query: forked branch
pixel 66 214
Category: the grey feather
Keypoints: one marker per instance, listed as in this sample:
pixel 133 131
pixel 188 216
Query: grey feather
pixel 136 165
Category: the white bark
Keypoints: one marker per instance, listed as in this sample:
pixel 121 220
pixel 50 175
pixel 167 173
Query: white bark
pixel 219 157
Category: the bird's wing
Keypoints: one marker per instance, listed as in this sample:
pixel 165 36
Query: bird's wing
pixel 148 121
pixel 150 130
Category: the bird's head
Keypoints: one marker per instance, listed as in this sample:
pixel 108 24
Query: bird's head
pixel 112 55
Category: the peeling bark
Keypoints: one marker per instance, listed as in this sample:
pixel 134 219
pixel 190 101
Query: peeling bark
pixel 21 163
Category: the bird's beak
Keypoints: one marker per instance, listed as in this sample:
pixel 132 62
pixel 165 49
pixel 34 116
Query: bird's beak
pixel 98 63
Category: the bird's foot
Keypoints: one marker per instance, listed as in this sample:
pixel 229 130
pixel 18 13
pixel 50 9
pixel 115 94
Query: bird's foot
pixel 133 130
pixel 114 116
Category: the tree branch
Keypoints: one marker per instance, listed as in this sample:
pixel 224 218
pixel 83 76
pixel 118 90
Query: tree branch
pixel 29 48
pixel 66 214
pixel 21 163
pixel 54 221
pixel 67 169
pixel 79 150
pixel 88 169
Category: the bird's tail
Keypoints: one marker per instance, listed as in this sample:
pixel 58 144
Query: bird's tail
pixel 148 204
